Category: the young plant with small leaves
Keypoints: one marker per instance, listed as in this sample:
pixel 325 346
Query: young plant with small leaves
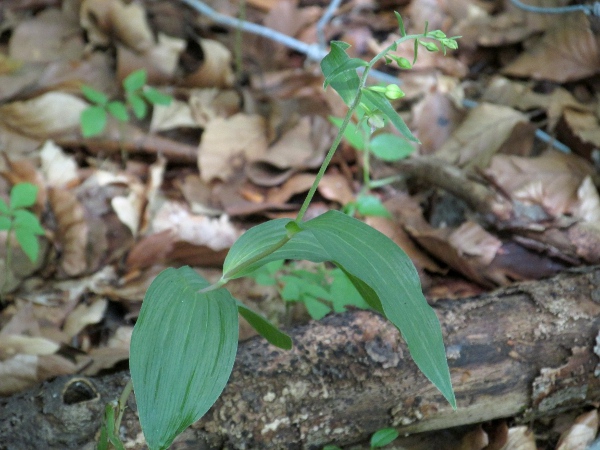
pixel 322 290
pixel 17 220
pixel 137 98
pixel 185 340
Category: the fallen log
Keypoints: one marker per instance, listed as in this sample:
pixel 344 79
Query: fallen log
pixel 527 351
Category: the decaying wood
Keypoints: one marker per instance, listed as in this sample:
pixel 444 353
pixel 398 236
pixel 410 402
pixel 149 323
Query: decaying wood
pixel 525 351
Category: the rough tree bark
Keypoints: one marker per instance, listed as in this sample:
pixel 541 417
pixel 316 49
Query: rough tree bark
pixel 525 351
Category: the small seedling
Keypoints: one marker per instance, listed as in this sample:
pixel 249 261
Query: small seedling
pixel 137 97
pixel 322 290
pixel 385 146
pixel 15 218
pixel 379 439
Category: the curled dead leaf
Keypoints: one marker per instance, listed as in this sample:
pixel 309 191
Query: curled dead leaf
pixel 72 232
pixel 215 70
pixel 105 20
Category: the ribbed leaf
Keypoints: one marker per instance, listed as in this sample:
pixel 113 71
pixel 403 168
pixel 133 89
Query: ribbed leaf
pixel 346 85
pixel 182 352
pixel 265 328
pixel 375 259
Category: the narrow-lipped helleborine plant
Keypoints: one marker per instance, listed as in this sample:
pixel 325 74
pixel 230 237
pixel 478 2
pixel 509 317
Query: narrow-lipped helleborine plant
pixel 185 340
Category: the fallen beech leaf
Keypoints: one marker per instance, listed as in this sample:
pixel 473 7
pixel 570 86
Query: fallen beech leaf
pixel 520 438
pixel 129 209
pixel 84 315
pixel 567 52
pixel 293 151
pixel 72 232
pixel 584 124
pixel 13 344
pixel 151 250
pixel 209 103
pixel 480 136
pixel 217 234
pixel 58 168
pixel 550 180
pixel 105 20
pixel 588 207
pixel 49 36
pixel 215 70
pixel 472 240
pixel 176 115
pixel 51 114
pixel 581 434
pixel 159 61
pixel 18 373
pixel 228 143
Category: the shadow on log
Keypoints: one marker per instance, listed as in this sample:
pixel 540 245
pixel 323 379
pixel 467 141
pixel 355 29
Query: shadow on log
pixel 525 351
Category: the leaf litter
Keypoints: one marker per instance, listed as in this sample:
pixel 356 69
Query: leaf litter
pixel 483 202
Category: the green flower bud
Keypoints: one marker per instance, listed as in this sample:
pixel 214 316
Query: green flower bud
pixel 393 92
pixel 436 34
pixel 403 63
pixel 430 46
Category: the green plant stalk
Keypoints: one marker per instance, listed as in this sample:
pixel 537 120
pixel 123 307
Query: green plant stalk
pixel 367 162
pixel 238 41
pixel 351 109
pixel 385 181
pixel 8 262
pixel 123 402
pixel 237 269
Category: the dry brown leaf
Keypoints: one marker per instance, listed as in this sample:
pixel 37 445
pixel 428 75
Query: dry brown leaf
pixel 584 124
pixel 129 209
pixel 480 136
pixel 588 207
pixel 84 315
pixel 11 345
pixel 59 169
pixel 581 434
pixel 217 234
pixel 472 240
pixel 293 151
pixel 176 115
pixel 567 52
pixel 49 36
pixel 72 232
pixel 105 20
pixel 520 438
pixel 49 115
pixel 18 373
pixel 23 171
pixel 435 118
pixel 216 67
pixel 151 250
pixel 159 61
pixel 550 180
pixel 476 439
pixel 229 143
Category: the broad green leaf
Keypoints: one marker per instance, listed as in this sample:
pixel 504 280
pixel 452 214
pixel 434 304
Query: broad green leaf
pixel 389 147
pixel 369 205
pixel 138 105
pixel 292 288
pixel 26 220
pixel 23 195
pixel 352 134
pixel 118 110
pixel 4 207
pixel 94 96
pixel 349 64
pixel 367 293
pixel 156 97
pixel 5 223
pixel 28 242
pixel 265 328
pixel 377 101
pixel 346 85
pixel 262 237
pixel 135 80
pixel 383 437
pixel 183 348
pixel 93 121
pixel 372 257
